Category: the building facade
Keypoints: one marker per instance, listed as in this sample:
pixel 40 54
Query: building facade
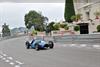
pixel 90 10
pixel 87 8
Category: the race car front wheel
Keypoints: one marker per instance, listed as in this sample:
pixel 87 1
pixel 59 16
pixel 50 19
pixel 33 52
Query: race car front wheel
pixel 27 45
pixel 51 44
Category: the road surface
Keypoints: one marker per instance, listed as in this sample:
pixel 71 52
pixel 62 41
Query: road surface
pixel 14 54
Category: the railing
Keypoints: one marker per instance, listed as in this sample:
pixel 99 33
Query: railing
pixel 9 37
pixel 83 38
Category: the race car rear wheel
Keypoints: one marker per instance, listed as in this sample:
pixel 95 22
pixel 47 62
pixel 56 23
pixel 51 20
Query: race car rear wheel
pixel 51 44
pixel 37 47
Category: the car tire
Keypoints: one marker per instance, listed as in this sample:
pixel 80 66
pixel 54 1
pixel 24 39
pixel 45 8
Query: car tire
pixel 37 47
pixel 51 44
pixel 27 45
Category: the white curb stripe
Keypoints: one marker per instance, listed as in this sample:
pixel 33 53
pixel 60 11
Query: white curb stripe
pixel 4 55
pixel 97 46
pixel 19 62
pixel 64 45
pixel 10 58
pixel 11 63
pixel 73 45
pixel 83 45
pixel 3 58
pixel 16 66
pixel 7 61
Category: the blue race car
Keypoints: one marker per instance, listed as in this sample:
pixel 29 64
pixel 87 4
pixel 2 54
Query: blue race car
pixel 39 44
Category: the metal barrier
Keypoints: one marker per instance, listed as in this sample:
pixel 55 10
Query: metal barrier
pixel 9 37
pixel 78 39
pixel 83 38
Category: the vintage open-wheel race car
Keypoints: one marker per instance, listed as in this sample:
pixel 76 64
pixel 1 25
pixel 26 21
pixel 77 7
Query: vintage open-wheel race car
pixel 39 44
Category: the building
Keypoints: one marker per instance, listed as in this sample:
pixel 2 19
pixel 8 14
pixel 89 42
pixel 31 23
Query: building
pixel 90 10
pixel 87 8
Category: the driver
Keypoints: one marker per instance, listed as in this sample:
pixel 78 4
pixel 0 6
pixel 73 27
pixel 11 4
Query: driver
pixel 32 40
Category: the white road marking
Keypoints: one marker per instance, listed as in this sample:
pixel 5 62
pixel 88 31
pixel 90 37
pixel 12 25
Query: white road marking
pixel 64 45
pixel 16 66
pixel 83 45
pixel 19 62
pixel 10 58
pixel 7 61
pixel 11 63
pixel 72 45
pixel 4 55
pixel 80 45
pixel 3 58
pixel 96 46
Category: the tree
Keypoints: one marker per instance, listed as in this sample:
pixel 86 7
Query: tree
pixel 46 19
pixel 51 26
pixel 69 10
pixel 35 19
pixel 5 30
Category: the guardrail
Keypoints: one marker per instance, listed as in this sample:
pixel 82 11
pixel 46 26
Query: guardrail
pixel 83 38
pixel 9 37
pixel 78 39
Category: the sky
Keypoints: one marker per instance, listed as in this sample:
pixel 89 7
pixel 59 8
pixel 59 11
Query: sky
pixel 34 1
pixel 13 13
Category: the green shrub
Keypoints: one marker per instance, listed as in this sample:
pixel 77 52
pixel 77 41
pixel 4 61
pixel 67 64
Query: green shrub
pixel 97 13
pixel 76 17
pixel 63 25
pixel 76 28
pixel 73 18
pixel 98 28
pixel 56 26
pixel 66 27
pixel 34 32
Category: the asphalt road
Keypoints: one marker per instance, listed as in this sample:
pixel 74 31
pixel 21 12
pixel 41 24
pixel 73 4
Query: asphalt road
pixel 14 54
